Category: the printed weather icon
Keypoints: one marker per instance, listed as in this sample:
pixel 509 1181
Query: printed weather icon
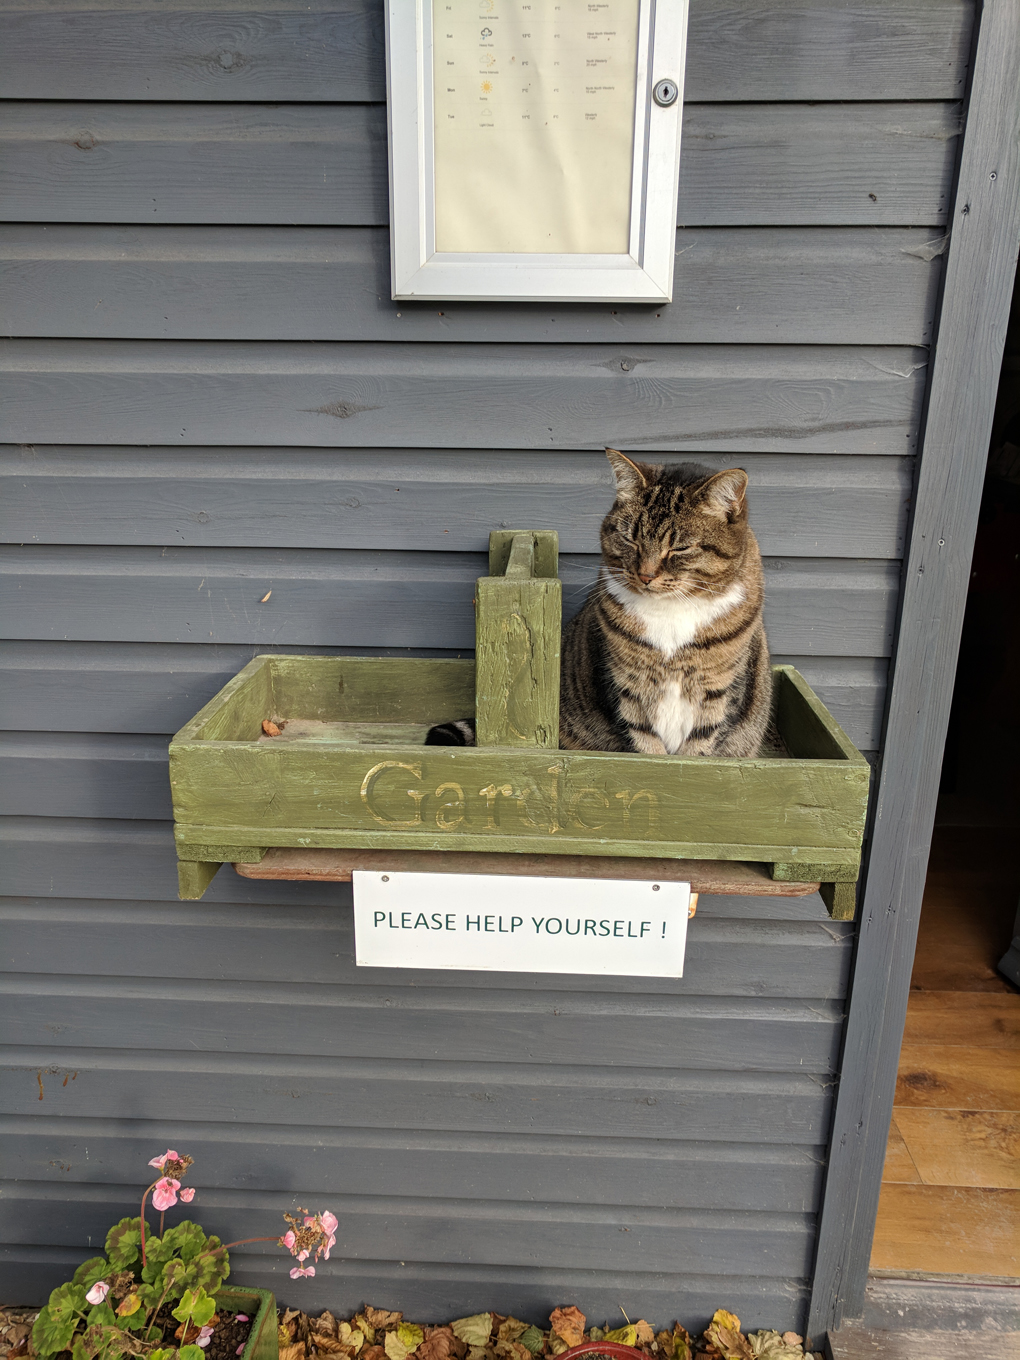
pixel 486 32
pixel 486 87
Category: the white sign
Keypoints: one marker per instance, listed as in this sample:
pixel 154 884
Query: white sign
pixel 534 148
pixel 520 925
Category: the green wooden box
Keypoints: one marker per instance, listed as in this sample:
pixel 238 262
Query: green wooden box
pixel 263 1340
pixel 350 768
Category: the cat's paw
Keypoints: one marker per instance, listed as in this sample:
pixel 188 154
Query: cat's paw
pixel 458 733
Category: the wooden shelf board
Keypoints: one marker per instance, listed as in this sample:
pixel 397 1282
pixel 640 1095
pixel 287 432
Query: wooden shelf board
pixel 705 875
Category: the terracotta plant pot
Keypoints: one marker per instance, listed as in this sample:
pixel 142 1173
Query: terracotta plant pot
pixel 613 1350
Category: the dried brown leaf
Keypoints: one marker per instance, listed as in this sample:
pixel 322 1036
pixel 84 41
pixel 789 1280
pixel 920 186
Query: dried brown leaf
pixel 324 1325
pixel 373 1353
pixel 473 1330
pixel 568 1323
pixel 644 1332
pixel 294 1352
pixel 363 1325
pixel 270 728
pixel 440 1344
pixel 378 1318
pixel 394 1347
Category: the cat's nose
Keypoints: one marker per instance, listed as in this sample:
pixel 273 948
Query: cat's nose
pixel 646 576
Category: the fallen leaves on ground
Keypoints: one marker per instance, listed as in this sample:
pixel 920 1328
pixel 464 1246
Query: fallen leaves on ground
pixel 568 1323
pixel 377 1334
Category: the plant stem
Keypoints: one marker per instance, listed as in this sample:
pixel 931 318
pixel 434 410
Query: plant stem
pixel 241 1242
pixel 161 1218
pixel 149 1321
pixel 141 1216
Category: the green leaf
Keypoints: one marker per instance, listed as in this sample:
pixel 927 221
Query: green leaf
pixel 204 1272
pixel 196 1306
pixel 183 1310
pixel 95 1268
pixel 185 1240
pixel 124 1243
pixel 532 1340
pixel 163 1354
pixel 66 1300
pixel 150 1294
pixel 134 1322
pixel 191 1353
pixel 78 1351
pixel 52 1333
pixel 102 1315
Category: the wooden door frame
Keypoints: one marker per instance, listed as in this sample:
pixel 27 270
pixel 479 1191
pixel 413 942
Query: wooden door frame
pixel 966 359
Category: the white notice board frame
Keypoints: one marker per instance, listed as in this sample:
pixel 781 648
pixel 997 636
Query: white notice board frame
pixel 644 274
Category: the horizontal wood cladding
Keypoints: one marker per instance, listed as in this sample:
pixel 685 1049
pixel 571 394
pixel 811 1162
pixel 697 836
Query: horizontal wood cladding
pixel 372 1022
pixel 750 285
pixel 875 164
pixel 299 1093
pixel 697 398
pixel 458 1230
pixel 76 857
pixel 354 598
pixel 151 687
pixel 437 501
pixel 316 945
pixel 674 1172
pixel 335 50
pixel 435 1292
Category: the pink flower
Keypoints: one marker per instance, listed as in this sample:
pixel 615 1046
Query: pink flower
pixel 164 1193
pixel 240 1349
pixel 188 1195
pixel 298 1271
pixel 98 1292
pixel 288 1239
pixel 330 1222
pixel 204 1334
pixel 168 1156
pixel 242 1317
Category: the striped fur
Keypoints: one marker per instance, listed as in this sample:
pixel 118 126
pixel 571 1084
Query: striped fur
pixel 668 654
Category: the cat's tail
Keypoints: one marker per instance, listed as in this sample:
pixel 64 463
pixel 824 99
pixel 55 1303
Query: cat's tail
pixel 459 733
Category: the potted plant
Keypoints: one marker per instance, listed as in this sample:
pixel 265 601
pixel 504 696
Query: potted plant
pixel 161 1295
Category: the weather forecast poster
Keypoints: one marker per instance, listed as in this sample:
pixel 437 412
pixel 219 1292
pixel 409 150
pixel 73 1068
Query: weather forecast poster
pixel 534 125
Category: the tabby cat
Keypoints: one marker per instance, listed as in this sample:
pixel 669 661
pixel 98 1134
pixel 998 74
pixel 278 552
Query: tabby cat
pixel 668 653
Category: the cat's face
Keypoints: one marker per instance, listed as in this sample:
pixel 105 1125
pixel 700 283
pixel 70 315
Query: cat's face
pixel 675 531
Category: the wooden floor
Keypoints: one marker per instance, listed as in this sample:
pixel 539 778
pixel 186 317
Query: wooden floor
pixel 950 1201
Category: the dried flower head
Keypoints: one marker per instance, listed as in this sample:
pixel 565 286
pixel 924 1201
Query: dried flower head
pixel 172 1164
pixel 312 1234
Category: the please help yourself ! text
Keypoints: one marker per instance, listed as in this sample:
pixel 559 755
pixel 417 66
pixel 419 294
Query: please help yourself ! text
pixel 517 924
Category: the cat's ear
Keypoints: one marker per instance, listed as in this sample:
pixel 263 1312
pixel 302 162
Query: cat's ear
pixel 631 478
pixel 723 494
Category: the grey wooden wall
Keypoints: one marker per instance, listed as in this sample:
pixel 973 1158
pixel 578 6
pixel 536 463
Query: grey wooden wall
pixel 207 395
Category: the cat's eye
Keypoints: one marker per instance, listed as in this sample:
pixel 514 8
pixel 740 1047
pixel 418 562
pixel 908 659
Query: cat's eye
pixel 679 552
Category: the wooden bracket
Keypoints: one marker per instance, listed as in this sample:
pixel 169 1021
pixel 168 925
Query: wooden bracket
pixel 518 615
pixel 196 873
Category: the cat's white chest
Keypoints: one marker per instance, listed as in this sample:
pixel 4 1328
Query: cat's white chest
pixel 673 718
pixel 669 623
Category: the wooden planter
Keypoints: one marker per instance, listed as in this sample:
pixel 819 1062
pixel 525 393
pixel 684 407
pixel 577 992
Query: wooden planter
pixel 263 1341
pixel 349 769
